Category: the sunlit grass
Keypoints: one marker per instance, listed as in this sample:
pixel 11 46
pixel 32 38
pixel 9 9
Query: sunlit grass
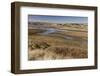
pixel 68 44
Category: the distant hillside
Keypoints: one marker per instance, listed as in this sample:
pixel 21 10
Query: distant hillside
pixel 37 25
pixel 48 23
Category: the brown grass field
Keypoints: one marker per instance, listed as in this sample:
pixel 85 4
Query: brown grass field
pixel 49 42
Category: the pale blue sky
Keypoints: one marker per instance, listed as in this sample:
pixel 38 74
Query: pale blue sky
pixel 57 19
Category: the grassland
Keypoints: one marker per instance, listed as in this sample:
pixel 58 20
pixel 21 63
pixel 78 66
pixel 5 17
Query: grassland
pixel 48 41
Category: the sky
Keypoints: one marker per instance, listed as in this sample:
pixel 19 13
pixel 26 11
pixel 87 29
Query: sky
pixel 57 19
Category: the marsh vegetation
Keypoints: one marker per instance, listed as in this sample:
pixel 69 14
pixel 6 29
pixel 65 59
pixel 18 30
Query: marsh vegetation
pixel 49 41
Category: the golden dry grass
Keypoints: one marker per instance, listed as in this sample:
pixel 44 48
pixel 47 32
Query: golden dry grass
pixel 56 46
pixel 58 52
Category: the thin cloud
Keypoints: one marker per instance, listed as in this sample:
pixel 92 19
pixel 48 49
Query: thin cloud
pixel 57 19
